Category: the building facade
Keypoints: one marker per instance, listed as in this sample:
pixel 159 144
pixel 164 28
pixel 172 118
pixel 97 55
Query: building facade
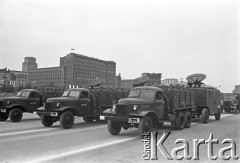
pixel 29 64
pixel 80 70
pixel 154 79
pixel 75 70
pixel 50 77
pixel 20 78
pixel 170 81
pixel 237 89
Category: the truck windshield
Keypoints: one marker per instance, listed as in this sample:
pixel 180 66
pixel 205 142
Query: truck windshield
pixel 146 94
pixel 70 94
pixel 23 94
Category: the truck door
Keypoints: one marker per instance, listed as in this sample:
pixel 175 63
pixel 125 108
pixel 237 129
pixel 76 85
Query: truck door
pixel 84 107
pixel 159 105
pixel 33 102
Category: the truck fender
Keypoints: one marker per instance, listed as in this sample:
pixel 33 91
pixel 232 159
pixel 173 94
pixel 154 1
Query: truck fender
pixel 151 114
pixel 109 111
pixel 17 106
pixel 71 109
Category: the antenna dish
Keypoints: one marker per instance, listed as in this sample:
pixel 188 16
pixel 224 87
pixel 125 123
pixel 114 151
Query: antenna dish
pixel 196 80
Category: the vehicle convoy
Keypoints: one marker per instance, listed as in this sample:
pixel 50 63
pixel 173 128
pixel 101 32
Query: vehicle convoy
pixel 80 102
pixel 230 103
pixel 147 106
pixel 26 101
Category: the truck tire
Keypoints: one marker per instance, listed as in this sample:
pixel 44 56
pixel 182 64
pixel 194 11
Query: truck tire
pixel 67 119
pixel 113 127
pixel 46 121
pixel 205 115
pixel 187 119
pixel 88 118
pixel 180 121
pixel 145 125
pixel 3 117
pixel 15 115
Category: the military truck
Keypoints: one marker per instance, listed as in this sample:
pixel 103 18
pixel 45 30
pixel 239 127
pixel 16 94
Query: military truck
pixel 26 101
pixel 80 102
pixel 230 103
pixel 148 106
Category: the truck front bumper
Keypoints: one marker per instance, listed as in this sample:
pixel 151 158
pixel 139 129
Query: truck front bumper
pixel 121 119
pixel 52 114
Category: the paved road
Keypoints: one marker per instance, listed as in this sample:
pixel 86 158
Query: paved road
pixel 29 141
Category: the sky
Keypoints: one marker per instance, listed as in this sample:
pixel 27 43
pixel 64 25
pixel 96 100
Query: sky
pixel 173 37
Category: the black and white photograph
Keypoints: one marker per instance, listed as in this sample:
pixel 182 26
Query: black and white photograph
pixel 119 81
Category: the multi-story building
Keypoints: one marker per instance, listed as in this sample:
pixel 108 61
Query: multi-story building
pixel 81 70
pixel 51 76
pixel 20 78
pixel 170 81
pixel 75 70
pixel 154 78
pixel 29 64
pixel 236 89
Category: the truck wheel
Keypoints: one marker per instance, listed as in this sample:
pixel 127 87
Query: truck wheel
pixel 3 117
pixel 46 121
pixel 15 115
pixel 67 120
pixel 187 119
pixel 180 121
pixel 88 118
pixel 145 125
pixel 113 127
pixel 205 115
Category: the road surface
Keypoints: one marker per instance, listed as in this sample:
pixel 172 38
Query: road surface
pixel 29 141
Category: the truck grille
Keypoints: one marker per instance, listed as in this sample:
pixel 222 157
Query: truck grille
pixel 48 106
pixel 122 110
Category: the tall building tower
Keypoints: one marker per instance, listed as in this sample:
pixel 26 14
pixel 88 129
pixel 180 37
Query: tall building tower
pixel 80 70
pixel 29 64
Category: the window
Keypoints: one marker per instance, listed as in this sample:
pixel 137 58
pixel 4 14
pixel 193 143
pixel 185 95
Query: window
pixel 33 95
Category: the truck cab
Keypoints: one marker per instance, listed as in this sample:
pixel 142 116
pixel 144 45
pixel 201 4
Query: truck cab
pixel 26 100
pixel 230 103
pixel 143 108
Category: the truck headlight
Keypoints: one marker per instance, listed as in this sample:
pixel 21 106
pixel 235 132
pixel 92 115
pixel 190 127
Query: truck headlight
pixel 58 104
pixel 135 107
pixel 8 102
